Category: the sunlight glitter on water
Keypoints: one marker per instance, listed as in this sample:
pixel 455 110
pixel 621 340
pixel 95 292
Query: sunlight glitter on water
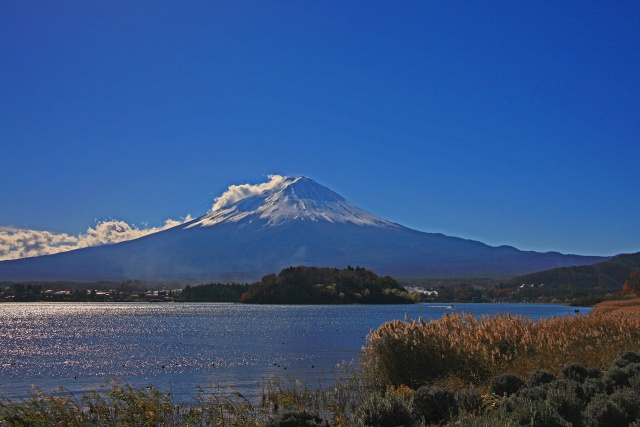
pixel 179 346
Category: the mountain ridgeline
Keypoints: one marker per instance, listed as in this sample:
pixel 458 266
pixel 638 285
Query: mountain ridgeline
pixel 287 221
pixel 599 278
pixel 313 285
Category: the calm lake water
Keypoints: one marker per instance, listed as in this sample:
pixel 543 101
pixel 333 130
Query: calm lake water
pixel 179 346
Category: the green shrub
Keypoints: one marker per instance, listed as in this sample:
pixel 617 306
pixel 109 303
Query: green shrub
pixel 633 369
pixel 576 372
pixel 629 401
pixel 565 397
pixel 626 358
pixel 567 402
pixel 434 404
pixel 506 384
pixel 602 412
pixel 540 377
pixel 594 372
pixel 297 419
pixel 617 377
pixel 594 386
pixel 534 393
pixel 469 400
pixel 570 386
pixel 525 412
pixel 634 381
pixel 388 410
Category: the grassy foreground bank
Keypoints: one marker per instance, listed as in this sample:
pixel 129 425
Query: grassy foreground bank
pixel 467 350
pixel 457 370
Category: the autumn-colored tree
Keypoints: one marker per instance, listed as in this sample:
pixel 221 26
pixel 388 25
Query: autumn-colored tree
pixel 632 284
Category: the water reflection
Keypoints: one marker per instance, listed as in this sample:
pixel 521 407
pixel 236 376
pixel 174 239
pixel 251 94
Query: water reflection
pixel 178 346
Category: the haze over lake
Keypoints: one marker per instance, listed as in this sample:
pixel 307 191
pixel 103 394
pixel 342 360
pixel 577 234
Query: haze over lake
pixel 179 346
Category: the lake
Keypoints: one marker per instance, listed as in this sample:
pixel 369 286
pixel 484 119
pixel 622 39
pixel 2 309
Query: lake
pixel 178 346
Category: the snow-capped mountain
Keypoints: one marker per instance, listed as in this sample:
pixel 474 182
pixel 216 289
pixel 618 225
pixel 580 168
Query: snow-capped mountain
pixel 291 199
pixel 253 230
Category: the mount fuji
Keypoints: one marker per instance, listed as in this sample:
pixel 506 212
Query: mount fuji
pixel 255 230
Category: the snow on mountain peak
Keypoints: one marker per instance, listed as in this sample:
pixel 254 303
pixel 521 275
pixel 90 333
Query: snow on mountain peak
pixel 284 199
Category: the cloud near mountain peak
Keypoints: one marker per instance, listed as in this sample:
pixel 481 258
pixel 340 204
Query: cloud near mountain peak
pixel 23 243
pixel 242 191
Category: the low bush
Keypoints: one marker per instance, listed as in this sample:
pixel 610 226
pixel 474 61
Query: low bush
pixel 469 401
pixel 567 402
pixel 576 372
pixel 627 358
pixel 602 412
pixel 629 401
pixel 570 386
pixel 297 419
pixel 594 372
pixel 635 383
pixel 611 400
pixel 593 387
pixel 534 413
pixel 434 405
pixel 506 384
pixel 617 377
pixel 385 410
pixel 633 369
pixel 534 393
pixel 540 377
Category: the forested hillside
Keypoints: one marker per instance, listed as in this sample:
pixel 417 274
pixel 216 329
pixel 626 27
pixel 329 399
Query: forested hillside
pixel 313 285
pixel 602 277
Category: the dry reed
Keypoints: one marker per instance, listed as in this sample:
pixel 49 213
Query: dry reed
pixel 461 348
pixel 619 308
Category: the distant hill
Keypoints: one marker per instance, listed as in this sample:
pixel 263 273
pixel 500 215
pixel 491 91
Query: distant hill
pixel 602 277
pixel 313 285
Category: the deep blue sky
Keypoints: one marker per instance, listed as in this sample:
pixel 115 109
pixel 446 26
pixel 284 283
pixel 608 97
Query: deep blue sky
pixel 499 121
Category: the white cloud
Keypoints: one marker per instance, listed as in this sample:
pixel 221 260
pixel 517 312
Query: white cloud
pixel 239 192
pixel 21 243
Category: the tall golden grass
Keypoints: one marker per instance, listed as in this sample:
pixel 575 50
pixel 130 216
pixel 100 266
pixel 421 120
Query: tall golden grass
pixel 460 348
pixel 619 308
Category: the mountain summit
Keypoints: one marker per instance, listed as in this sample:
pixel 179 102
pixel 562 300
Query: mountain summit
pixel 253 230
pixel 290 199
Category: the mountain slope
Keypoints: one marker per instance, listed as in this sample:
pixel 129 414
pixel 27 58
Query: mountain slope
pixel 256 230
pixel 607 275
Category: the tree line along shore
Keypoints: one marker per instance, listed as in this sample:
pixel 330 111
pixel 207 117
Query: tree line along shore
pixel 293 285
pixel 579 286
